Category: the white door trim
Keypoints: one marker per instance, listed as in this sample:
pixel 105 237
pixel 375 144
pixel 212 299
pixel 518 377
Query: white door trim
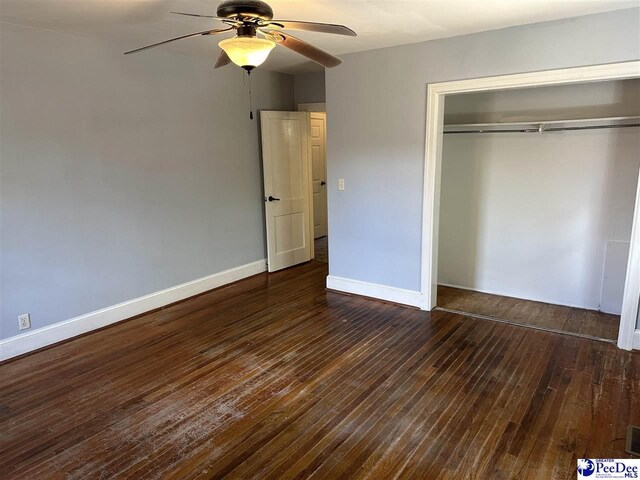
pixel 627 334
pixel 319 116
pixel 433 165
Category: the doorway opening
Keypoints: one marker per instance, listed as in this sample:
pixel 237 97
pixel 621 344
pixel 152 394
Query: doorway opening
pixel 318 141
pixel 295 186
pixel 503 188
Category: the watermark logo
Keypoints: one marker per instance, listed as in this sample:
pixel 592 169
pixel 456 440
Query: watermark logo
pixel 608 468
pixel 586 467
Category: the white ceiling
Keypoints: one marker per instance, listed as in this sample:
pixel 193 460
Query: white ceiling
pixel 134 23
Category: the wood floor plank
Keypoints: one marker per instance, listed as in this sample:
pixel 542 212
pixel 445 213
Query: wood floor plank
pixel 527 312
pixel 274 377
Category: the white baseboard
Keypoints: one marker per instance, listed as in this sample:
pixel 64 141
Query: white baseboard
pixel 636 339
pixel 374 290
pixel 27 342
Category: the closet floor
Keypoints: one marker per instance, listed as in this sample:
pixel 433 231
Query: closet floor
pixel 540 315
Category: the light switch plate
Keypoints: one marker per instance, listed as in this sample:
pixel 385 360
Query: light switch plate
pixel 341 184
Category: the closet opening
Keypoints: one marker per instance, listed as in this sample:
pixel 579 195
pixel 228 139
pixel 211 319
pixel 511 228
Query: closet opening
pixel 534 205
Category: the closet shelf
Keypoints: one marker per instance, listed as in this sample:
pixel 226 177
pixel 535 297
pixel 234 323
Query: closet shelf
pixel 542 126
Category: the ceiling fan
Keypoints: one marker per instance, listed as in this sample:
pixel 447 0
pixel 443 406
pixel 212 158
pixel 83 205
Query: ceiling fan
pixel 252 17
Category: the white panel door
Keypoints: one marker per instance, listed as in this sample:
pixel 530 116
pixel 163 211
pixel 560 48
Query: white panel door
pixel 319 173
pixel 287 177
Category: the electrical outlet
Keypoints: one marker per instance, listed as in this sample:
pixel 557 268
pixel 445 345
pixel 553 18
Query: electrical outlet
pixel 24 321
pixel 341 184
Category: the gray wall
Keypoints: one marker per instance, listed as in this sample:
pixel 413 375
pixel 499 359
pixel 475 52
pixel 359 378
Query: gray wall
pixel 376 104
pixel 121 176
pixel 309 88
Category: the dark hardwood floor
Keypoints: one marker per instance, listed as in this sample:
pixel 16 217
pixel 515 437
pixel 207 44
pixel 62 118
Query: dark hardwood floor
pixel 527 312
pixel 273 377
pixel 321 247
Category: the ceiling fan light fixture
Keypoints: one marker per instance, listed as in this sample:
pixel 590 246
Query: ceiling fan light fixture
pixel 247 52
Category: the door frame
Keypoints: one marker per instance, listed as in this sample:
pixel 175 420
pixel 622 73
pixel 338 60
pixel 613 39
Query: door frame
pixel 628 337
pixel 323 116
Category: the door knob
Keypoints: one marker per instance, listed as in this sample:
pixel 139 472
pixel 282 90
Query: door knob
pixel 273 199
pixel 323 182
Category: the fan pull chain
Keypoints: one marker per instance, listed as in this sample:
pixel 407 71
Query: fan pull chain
pixel 250 100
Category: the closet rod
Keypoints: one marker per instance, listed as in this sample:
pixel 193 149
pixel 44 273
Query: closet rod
pixel 542 129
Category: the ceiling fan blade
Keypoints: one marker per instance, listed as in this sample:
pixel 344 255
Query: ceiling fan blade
pixel 311 27
pixel 223 60
pixel 222 19
pixel 303 48
pixel 206 32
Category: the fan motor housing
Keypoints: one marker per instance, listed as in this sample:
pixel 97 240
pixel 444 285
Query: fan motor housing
pixel 245 8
